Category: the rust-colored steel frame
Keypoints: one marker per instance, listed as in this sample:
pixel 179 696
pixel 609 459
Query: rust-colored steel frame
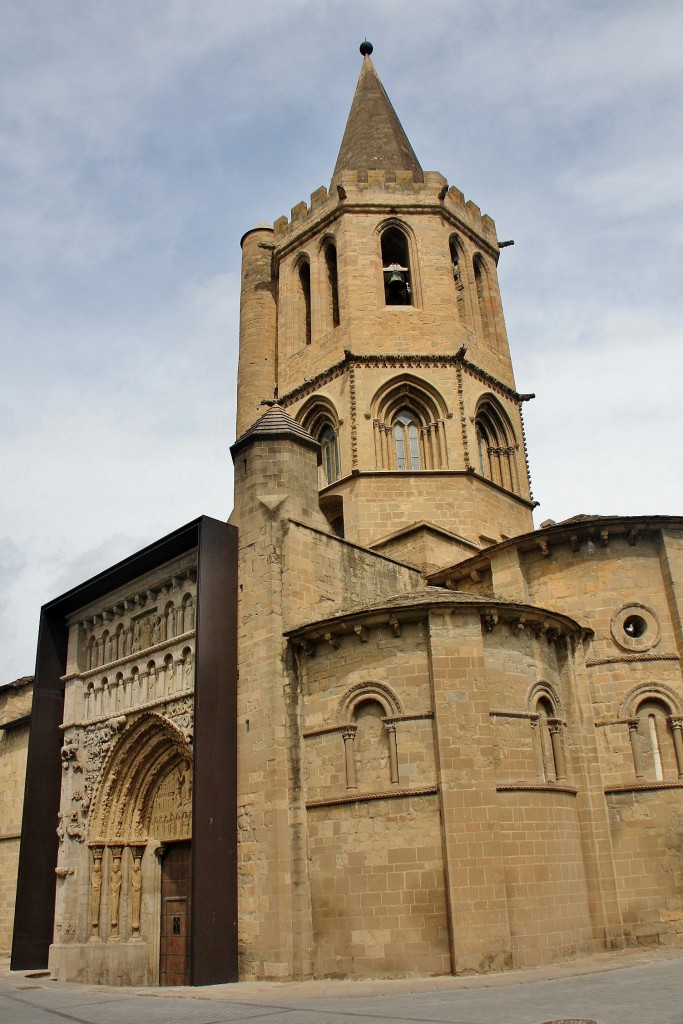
pixel 214 825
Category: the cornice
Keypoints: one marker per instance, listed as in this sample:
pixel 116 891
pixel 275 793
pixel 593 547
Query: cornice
pixel 401 362
pixel 618 659
pixel 357 798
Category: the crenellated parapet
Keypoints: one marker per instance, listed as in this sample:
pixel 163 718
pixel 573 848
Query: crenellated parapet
pixel 377 189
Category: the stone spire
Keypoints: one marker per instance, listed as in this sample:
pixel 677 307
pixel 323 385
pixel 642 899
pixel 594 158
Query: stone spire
pixel 374 138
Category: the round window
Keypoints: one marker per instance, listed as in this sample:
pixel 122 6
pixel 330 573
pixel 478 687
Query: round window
pixel 635 628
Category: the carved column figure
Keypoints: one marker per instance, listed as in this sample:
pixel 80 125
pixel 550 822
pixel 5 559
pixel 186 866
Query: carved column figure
pixel 95 892
pixel 677 730
pixel 136 890
pixel 115 892
pixel 348 735
pixel 393 751
pixel 189 616
pixel 635 747
pixel 170 675
pixel 117 693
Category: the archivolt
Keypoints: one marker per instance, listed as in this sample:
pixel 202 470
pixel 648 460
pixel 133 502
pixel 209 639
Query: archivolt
pixel 145 754
pixel 650 691
pixel 380 692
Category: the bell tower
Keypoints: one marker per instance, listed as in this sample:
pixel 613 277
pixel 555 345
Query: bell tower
pixel 373 316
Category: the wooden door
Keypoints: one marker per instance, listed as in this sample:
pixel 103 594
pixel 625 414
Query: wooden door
pixel 174 946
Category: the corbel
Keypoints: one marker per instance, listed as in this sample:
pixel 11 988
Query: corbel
pixel 633 537
pixel 362 633
pixel 332 639
pixel 604 538
pixel 543 545
pixel 394 625
pixel 490 621
pixel 574 542
pixel 475 576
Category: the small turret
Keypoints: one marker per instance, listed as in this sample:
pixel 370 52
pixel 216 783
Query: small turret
pixel 258 325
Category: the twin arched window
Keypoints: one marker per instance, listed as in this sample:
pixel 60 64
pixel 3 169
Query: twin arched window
pixel 408 425
pixel 407 439
pixel 316 306
pixel 330 454
pixel 496 446
pixel 319 418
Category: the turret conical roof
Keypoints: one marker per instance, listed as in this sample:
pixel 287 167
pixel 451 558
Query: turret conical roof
pixel 374 138
pixel 275 424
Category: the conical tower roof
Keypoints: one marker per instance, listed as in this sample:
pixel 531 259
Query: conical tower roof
pixel 374 138
pixel 275 424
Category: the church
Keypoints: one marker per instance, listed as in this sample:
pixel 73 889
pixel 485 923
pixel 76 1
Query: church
pixel 376 724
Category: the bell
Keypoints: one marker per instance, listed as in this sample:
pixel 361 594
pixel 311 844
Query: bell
pixel 396 289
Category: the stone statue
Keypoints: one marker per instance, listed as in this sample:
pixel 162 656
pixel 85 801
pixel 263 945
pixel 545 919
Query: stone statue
pixel 136 890
pixel 95 892
pixel 115 890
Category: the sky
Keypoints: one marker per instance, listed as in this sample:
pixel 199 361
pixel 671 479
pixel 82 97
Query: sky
pixel 139 140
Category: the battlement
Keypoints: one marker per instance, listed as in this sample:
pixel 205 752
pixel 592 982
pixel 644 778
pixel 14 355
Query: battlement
pixel 372 187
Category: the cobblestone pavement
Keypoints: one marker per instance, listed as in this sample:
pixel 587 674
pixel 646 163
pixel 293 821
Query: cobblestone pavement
pixel 632 987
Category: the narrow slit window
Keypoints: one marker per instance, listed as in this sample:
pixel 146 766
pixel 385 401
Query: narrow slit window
pixel 332 283
pixel 305 283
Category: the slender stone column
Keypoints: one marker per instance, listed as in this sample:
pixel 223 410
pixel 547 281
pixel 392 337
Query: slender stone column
pixel 635 749
pixel 555 729
pixel 677 730
pixel 393 751
pixel 349 734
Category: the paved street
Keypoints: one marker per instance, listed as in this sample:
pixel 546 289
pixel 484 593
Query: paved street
pixel 624 988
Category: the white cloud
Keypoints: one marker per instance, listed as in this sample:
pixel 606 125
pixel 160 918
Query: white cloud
pixel 138 142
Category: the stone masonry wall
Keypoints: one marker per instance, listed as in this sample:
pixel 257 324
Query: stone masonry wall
pixel 15 702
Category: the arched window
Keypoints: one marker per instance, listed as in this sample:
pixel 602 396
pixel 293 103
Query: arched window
pixel 396 268
pixel 408 418
pixel 656 740
pixel 496 446
pixel 332 283
pixel 459 271
pixel 407 439
pixel 549 748
pixel 319 417
pixel 305 301
pixel 330 453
